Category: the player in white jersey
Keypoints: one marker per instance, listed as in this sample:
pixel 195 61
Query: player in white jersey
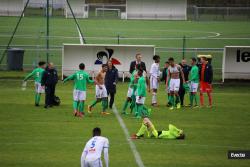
pixel 155 78
pixel 174 71
pixel 91 155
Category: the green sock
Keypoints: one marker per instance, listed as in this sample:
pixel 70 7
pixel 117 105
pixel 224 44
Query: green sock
pixel 140 108
pixel 125 106
pixel 38 97
pixel 75 105
pixel 195 99
pixel 169 99
pixel 136 109
pixel 94 103
pixel 132 105
pixel 191 97
pixel 172 100
pixel 81 106
pixel 104 104
pixel 177 99
pixel 142 130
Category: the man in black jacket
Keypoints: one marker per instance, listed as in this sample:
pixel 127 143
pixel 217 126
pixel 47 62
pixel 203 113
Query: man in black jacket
pixel 186 69
pixel 206 78
pixel 136 62
pixel 49 81
pixel 111 78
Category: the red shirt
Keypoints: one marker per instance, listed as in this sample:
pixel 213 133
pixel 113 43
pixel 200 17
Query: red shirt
pixel 203 71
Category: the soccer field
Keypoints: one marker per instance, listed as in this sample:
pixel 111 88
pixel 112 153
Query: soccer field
pixel 33 136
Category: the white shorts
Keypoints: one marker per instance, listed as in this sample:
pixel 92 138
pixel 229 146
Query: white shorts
pixel 193 86
pixel 153 83
pixel 79 95
pixel 174 85
pixel 39 88
pixel 96 163
pixel 130 92
pixel 140 100
pixel 101 92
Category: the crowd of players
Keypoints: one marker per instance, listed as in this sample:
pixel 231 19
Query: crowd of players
pixel 178 79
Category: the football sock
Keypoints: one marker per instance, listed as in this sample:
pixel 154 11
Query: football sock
pixel 177 99
pixel 201 99
pixel 195 99
pixel 104 104
pixel 171 99
pixel 94 103
pixel 142 130
pixel 125 106
pixel 81 106
pixel 154 100
pixel 75 105
pixel 191 97
pixel 209 98
pixel 38 97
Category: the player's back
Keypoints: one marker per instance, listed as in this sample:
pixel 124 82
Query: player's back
pixel 38 74
pixel 80 80
pixel 95 146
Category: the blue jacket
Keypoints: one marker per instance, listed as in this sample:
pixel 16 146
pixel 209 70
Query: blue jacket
pixel 208 73
pixel 111 78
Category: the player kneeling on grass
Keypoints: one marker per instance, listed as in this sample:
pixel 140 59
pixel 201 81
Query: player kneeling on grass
pixel 81 78
pixel 193 82
pixel 155 78
pixel 101 91
pixel 37 74
pixel 174 72
pixel 148 128
pixel 91 155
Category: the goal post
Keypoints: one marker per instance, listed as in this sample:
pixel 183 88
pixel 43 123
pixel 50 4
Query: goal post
pixel 93 55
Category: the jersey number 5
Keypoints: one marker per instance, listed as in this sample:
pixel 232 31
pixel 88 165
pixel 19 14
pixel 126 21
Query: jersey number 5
pixel 79 76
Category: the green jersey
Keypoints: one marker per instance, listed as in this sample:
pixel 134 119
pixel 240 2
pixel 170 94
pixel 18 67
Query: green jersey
pixel 141 87
pixel 81 78
pixel 37 74
pixel 194 74
pixel 132 79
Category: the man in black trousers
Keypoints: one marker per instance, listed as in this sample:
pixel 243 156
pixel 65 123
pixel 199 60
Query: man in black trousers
pixel 49 81
pixel 186 69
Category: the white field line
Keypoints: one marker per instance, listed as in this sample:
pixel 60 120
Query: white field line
pixel 131 144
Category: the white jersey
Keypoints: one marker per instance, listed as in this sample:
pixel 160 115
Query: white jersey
pixel 94 147
pixel 155 70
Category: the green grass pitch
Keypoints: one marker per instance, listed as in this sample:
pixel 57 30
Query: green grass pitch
pixel 31 136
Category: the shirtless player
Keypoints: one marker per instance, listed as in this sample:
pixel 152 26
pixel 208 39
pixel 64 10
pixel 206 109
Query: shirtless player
pixel 101 92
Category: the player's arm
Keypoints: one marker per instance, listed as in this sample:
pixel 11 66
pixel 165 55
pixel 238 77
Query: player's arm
pixel 69 78
pixel 106 153
pixel 83 157
pixel 29 75
pixel 182 75
pixel 89 80
pixel 168 78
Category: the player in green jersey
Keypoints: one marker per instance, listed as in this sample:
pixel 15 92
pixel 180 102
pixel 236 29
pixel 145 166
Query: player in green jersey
pixel 81 78
pixel 37 75
pixel 194 82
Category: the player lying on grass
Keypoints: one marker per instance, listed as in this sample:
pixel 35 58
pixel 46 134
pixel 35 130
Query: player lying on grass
pixel 81 78
pixel 91 155
pixel 37 74
pixel 148 128
pixel 193 82
pixel 155 78
pixel 174 72
pixel 101 92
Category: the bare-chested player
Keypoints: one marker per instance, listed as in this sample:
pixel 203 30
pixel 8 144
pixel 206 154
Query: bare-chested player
pixel 174 71
pixel 101 92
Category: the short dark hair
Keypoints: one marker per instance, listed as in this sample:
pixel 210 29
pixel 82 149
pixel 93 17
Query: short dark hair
pixel 82 66
pixel 171 59
pixel 167 62
pixel 41 63
pixel 155 57
pixel 104 65
pixel 204 58
pixel 193 59
pixel 96 131
pixel 181 137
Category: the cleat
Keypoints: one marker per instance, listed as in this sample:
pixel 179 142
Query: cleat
pixel 196 106
pixel 80 114
pixel 89 109
pixel 134 137
pixel 125 113
pixel 37 105
pixel 171 108
pixel 178 106
pixel 105 113
pixel 75 113
pixel 209 106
